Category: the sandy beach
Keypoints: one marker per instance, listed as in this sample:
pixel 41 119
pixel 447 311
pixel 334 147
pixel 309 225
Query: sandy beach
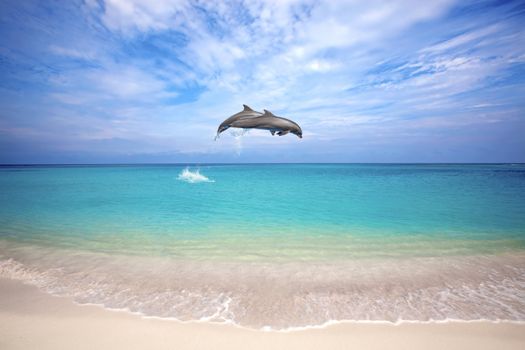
pixel 30 319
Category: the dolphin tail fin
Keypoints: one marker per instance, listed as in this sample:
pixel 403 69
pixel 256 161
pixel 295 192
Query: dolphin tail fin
pixel 247 108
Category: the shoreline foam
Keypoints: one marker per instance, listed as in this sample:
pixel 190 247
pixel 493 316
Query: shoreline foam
pixel 302 328
pixel 257 296
pixel 32 319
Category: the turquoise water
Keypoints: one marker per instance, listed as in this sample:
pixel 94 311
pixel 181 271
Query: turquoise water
pixel 146 208
pixel 279 246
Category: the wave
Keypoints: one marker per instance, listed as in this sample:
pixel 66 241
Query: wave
pixel 465 289
pixel 192 176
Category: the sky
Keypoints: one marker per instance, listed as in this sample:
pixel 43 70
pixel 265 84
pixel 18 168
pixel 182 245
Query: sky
pixel 129 81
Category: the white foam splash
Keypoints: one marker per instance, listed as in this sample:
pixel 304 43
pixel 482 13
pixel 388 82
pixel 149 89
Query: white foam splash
pixel 192 176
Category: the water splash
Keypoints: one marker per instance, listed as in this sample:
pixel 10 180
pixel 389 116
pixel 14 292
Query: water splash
pixel 192 176
pixel 238 134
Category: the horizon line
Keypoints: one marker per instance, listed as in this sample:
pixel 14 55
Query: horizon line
pixel 256 163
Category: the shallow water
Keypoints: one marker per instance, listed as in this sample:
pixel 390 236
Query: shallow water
pixel 272 245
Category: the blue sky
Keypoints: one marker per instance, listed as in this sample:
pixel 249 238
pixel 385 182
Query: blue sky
pixel 368 81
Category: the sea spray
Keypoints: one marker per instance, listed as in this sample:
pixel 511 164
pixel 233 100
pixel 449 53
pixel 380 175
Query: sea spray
pixel 238 134
pixel 192 176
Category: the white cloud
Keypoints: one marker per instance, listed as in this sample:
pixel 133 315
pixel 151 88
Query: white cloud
pixel 308 60
pixel 73 52
pixel 128 82
pixel 318 65
pixel 466 38
pixel 127 16
pixel 285 34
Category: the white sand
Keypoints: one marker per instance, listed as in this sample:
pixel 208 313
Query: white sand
pixel 31 319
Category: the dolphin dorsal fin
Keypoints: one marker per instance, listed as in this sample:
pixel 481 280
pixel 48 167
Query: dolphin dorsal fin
pixel 248 109
pixel 268 113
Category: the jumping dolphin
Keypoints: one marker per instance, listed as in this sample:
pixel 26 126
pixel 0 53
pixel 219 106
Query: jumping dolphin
pixel 247 112
pixel 269 121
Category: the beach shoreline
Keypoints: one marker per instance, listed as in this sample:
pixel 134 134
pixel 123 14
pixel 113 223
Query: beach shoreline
pixel 279 296
pixel 30 318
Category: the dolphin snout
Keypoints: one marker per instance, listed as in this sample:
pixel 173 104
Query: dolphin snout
pixel 222 128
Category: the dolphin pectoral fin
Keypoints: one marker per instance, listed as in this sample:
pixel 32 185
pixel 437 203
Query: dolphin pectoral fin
pixel 273 132
pixel 282 133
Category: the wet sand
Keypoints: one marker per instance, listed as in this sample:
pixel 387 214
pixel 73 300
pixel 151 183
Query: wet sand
pixel 279 295
pixel 31 319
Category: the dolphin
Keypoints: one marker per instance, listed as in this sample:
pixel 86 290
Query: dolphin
pixel 271 122
pixel 247 112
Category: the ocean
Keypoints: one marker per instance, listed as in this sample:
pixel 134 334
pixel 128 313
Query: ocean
pixel 272 246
